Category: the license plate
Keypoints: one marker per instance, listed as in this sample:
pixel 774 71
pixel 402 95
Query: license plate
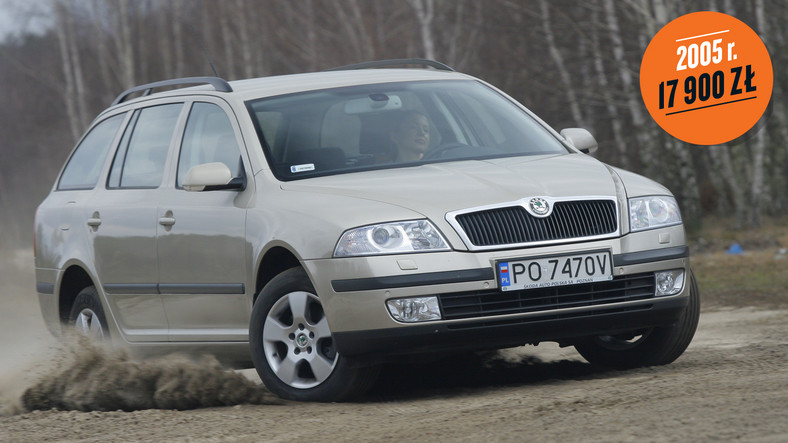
pixel 558 270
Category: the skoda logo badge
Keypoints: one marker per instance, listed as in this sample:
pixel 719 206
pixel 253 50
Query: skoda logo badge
pixel 539 206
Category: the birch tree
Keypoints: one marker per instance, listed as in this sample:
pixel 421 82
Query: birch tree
pixel 103 56
pixel 425 14
pixel 245 40
pixel 73 92
pixel 606 89
pixel 228 39
pixel 558 60
pixel 124 44
pixel 646 148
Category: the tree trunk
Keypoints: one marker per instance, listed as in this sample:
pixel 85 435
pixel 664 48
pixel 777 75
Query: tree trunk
pixel 164 24
pixel 778 201
pixel 606 90
pixel 354 31
pixel 228 41
pixel 461 34
pixel 312 53
pixel 104 58
pixel 688 192
pixel 177 38
pixel 646 148
pixel 69 91
pixel 425 13
pixel 245 40
pixel 722 157
pixel 79 80
pixel 124 45
pixel 558 60
pixel 760 142
pixel 367 48
pixel 722 199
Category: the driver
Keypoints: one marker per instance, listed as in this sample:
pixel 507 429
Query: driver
pixel 411 136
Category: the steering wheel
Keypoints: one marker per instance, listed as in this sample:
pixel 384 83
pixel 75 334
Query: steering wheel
pixel 439 150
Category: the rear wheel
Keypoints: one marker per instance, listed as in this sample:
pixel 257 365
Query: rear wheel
pixel 292 347
pixel 646 347
pixel 87 315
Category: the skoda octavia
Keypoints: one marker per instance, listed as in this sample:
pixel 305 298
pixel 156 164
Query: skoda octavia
pixel 318 225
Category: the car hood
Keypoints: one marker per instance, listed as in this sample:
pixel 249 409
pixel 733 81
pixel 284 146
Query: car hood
pixel 435 189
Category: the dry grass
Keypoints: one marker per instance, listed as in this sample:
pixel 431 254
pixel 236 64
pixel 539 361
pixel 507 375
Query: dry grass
pixel 758 277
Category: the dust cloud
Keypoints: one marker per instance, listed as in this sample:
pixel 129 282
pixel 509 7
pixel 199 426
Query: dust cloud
pixel 101 379
pixel 39 371
pixel 25 344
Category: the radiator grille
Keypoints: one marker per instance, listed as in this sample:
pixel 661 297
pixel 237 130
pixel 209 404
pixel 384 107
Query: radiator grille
pixel 514 225
pixel 488 303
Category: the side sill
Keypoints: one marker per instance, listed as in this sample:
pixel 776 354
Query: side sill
pixel 174 288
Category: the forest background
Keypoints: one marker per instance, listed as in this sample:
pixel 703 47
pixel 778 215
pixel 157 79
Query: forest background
pixel 574 63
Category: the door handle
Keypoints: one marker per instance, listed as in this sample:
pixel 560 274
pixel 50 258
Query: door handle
pixel 167 221
pixel 94 221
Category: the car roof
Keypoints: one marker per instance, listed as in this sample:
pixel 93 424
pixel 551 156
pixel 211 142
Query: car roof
pixel 285 84
pixel 292 83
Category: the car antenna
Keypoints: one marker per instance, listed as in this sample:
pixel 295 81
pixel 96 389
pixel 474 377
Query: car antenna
pixel 204 51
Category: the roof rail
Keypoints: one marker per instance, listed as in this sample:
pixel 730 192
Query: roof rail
pixel 394 62
pixel 218 84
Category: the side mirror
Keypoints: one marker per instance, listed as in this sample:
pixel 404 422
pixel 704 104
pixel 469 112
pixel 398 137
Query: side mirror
pixel 580 139
pixel 211 177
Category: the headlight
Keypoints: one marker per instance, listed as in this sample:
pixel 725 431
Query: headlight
pixel 391 238
pixel 653 212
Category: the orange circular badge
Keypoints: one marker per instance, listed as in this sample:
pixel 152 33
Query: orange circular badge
pixel 706 78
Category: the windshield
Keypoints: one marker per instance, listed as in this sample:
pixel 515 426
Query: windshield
pixel 389 125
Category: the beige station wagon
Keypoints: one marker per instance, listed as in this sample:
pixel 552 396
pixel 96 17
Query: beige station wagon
pixel 318 225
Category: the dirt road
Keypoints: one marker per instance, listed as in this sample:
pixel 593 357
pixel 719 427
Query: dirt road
pixel 731 384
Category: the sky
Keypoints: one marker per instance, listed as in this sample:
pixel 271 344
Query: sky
pixel 18 16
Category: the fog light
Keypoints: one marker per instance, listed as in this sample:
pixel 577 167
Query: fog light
pixel 669 282
pixel 415 309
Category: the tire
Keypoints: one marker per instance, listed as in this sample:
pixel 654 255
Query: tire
pixel 648 347
pixel 292 348
pixel 87 315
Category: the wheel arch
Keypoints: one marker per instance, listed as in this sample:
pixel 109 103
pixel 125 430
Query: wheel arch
pixel 75 279
pixel 274 261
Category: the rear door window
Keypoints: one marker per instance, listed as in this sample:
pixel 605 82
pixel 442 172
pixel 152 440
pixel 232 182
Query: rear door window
pixel 140 160
pixel 84 166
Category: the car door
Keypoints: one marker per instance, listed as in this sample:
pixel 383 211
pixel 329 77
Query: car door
pixel 123 219
pixel 201 235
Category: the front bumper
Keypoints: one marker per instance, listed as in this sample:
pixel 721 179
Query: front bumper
pixel 384 344
pixel 354 293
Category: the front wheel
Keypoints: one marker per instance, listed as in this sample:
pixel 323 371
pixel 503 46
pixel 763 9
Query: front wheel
pixel 646 347
pixel 292 347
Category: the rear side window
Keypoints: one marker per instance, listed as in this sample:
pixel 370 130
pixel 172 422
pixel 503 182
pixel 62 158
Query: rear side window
pixel 84 166
pixel 139 162
pixel 209 137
